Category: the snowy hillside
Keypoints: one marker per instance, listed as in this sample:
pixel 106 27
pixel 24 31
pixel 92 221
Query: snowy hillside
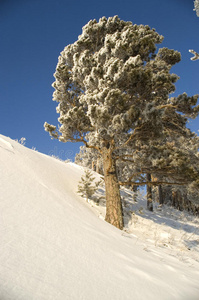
pixel 55 247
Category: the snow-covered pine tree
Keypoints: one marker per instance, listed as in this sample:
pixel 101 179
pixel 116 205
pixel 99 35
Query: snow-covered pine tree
pixel 87 187
pixel 173 158
pixel 88 157
pixel 112 84
pixel 174 161
pixel 85 157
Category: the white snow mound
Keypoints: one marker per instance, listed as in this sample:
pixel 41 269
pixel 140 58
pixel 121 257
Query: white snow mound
pixel 53 246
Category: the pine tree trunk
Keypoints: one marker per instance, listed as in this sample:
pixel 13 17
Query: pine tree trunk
pixel 97 166
pixel 149 193
pixel 93 165
pixel 113 200
pixel 174 198
pixel 135 188
pixel 160 192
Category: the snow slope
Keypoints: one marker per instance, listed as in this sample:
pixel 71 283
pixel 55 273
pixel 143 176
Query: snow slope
pixel 53 246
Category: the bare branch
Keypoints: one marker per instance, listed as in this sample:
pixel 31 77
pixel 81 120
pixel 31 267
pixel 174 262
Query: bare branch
pixel 130 138
pixel 152 183
pixel 85 143
pixel 166 106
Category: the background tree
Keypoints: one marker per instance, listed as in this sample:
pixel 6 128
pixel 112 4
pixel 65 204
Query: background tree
pixel 112 84
pixel 88 157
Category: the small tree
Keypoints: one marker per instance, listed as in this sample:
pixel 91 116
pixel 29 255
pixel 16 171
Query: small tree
pixel 22 141
pixel 86 187
pixel 113 93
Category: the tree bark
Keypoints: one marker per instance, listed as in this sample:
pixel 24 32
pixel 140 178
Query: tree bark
pixel 113 200
pixel 93 165
pixel 149 193
pixel 135 188
pixel 160 192
pixel 98 170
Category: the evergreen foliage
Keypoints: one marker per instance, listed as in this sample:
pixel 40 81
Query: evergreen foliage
pixel 88 157
pixel 112 87
pixel 86 187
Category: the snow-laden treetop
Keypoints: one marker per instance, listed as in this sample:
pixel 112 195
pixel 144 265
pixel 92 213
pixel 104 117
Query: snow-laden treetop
pixel 109 76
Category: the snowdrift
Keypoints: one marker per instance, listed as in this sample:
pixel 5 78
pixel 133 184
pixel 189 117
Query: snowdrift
pixel 53 246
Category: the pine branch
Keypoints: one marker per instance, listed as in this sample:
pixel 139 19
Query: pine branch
pixel 166 106
pixel 82 140
pixel 133 135
pixel 152 183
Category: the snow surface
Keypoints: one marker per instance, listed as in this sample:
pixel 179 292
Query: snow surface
pixel 53 245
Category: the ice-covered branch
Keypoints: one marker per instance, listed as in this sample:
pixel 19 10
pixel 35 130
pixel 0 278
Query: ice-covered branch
pixel 196 55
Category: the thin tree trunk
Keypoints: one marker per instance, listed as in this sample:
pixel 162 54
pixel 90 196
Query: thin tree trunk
pixel 113 199
pixel 160 192
pixel 135 188
pixel 149 193
pixel 97 165
pixel 93 165
pixel 180 201
pixel 174 198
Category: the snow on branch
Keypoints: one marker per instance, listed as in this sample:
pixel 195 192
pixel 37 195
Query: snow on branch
pixel 196 55
pixel 196 7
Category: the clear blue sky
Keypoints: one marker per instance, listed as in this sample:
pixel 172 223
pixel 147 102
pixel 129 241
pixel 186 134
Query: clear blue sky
pixel 34 32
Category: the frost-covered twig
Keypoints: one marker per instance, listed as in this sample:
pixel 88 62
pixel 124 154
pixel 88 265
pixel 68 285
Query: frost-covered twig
pixel 196 7
pixel 196 55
